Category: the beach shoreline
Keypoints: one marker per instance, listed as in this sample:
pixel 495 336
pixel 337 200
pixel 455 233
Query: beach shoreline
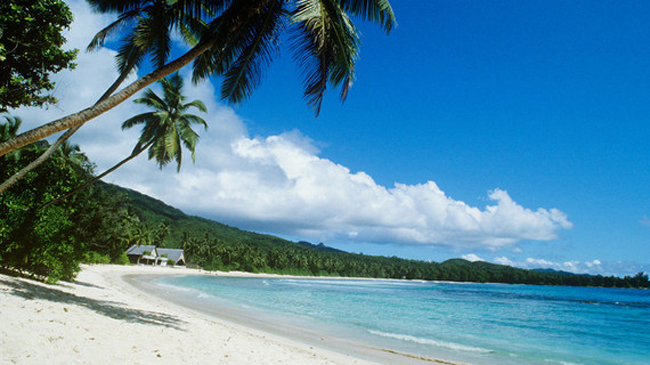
pixel 105 317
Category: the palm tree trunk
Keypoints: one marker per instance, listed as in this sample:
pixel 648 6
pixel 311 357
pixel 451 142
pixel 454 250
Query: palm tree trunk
pixel 43 157
pixel 20 174
pixel 83 116
pixel 133 155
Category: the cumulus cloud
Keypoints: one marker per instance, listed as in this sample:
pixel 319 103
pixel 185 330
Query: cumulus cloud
pixel 279 183
pixel 593 267
pixel 503 261
pixel 472 257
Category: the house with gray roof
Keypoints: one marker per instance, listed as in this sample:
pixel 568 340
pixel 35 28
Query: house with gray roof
pixel 152 255
pixel 141 254
pixel 166 254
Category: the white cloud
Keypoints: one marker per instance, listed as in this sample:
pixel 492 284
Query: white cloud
pixel 279 183
pixel 503 261
pixel 593 267
pixel 472 257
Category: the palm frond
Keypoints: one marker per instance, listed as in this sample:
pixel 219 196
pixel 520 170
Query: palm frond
pixel 152 34
pixel 224 30
pixel 261 43
pixel 198 104
pixel 115 6
pixel 129 57
pixel 193 119
pixel 172 146
pixel 189 139
pixel 378 11
pixel 122 21
pixel 151 99
pixel 138 119
pixel 326 46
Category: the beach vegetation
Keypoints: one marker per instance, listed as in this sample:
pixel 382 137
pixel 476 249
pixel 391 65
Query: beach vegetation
pixel 31 49
pixel 92 257
pixel 50 243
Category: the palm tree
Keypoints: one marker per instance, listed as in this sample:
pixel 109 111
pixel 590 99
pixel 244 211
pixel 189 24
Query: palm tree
pixel 72 153
pixel 149 33
pixel 240 38
pixel 161 233
pixel 141 234
pixel 165 129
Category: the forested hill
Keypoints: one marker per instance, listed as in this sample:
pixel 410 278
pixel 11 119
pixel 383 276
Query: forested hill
pixel 183 227
pixel 213 245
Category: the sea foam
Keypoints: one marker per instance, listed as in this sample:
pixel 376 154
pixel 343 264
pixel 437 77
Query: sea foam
pixel 426 341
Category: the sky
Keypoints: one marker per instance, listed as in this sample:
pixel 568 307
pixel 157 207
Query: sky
pixel 505 131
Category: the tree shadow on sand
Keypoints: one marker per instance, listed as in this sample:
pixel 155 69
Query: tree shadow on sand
pixel 115 310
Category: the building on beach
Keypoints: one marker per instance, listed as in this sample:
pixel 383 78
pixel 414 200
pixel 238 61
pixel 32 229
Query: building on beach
pixel 152 255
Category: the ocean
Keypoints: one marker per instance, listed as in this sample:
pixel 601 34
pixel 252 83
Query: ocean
pixel 456 322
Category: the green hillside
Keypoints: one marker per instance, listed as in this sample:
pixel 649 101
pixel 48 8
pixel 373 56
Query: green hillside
pixel 154 212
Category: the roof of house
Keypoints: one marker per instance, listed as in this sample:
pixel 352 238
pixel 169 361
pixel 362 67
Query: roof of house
pixel 139 250
pixel 172 253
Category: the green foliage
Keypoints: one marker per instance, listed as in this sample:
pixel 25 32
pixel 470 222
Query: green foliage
pixel 40 241
pixel 167 127
pixel 31 43
pixel 92 257
pixel 50 242
pixel 122 259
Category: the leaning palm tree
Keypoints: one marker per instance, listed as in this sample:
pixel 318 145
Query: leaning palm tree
pixel 166 129
pixel 241 37
pixel 148 25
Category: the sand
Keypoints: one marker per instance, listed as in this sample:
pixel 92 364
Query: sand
pixel 101 319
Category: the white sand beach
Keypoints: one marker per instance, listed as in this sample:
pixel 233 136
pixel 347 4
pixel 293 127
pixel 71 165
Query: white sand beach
pixel 101 319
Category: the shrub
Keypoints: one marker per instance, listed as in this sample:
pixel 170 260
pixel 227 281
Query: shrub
pixel 92 257
pixel 122 259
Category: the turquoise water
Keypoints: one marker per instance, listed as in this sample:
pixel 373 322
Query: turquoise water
pixel 469 323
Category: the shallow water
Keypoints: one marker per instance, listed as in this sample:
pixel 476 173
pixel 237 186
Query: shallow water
pixel 468 323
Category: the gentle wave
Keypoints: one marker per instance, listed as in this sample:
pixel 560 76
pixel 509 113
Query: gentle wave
pixel 351 282
pixel 426 341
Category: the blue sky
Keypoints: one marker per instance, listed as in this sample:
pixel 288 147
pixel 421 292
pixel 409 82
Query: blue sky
pixel 548 100
pixel 516 133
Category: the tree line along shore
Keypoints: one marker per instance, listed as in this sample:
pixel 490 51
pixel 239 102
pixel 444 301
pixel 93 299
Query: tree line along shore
pixel 97 225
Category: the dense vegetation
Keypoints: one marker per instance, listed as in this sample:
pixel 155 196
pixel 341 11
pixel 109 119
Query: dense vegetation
pixel 31 36
pixel 100 223
pixel 50 242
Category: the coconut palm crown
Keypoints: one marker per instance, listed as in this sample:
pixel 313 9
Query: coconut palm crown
pixel 168 127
